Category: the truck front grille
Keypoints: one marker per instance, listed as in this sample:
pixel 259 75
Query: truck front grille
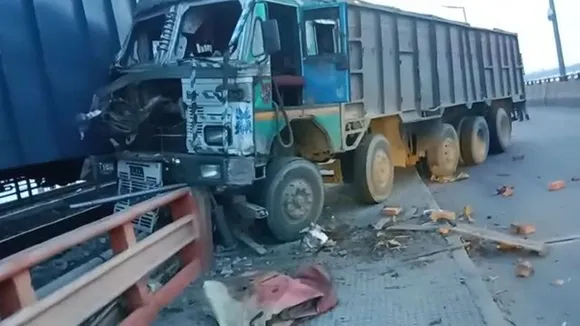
pixel 134 177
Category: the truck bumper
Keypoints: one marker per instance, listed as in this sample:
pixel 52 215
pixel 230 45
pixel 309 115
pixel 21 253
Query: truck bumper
pixel 195 170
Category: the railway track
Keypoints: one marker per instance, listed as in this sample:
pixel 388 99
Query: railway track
pixel 50 216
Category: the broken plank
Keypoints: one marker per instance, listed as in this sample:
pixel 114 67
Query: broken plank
pixel 491 235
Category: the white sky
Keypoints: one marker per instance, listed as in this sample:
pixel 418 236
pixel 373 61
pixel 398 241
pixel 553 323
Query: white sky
pixel 528 18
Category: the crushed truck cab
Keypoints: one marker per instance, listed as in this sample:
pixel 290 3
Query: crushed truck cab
pixel 248 98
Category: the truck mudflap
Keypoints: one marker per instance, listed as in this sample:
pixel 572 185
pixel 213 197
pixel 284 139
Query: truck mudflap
pixel 187 238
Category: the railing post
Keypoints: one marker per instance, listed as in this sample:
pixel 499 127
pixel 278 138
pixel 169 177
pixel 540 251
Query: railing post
pixel 201 247
pixel 121 239
pixel 16 293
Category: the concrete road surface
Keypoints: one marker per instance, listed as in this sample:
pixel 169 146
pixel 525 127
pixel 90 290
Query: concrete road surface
pixel 550 143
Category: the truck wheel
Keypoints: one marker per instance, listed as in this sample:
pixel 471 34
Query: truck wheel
pixel 473 140
pixel 500 130
pixel 293 194
pixel 373 169
pixel 443 154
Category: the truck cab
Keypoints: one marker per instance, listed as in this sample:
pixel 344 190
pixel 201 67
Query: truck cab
pixel 200 91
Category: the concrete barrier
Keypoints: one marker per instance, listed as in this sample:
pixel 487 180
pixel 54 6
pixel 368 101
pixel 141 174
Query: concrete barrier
pixel 554 91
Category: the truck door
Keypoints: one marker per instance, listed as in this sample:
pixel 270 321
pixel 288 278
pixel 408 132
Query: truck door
pixel 325 54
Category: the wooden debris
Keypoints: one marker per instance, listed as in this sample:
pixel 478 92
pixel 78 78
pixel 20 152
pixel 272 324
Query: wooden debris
pixel 505 191
pixel 468 230
pixel 443 230
pixel 393 244
pixel 459 177
pixel 523 229
pixel 382 222
pixel 391 211
pixel 524 269
pixel 557 185
pixel 439 214
pixel 507 247
pixel 468 214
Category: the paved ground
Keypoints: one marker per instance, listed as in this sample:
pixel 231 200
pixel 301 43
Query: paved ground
pixel 374 288
pixel 550 143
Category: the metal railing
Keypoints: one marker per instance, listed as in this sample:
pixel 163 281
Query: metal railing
pixel 188 237
pixel 554 79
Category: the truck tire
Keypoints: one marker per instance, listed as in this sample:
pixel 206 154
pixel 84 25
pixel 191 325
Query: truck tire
pixel 373 169
pixel 500 130
pixel 443 154
pixel 293 194
pixel 473 140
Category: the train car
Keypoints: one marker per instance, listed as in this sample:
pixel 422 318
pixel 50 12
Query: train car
pixel 53 55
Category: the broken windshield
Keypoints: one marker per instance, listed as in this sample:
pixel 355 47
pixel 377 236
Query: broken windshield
pixel 196 31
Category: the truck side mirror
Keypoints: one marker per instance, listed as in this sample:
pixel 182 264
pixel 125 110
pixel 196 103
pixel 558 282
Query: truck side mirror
pixel 271 36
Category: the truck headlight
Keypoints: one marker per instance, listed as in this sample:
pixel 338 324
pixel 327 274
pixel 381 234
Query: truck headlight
pixel 215 135
pixel 210 171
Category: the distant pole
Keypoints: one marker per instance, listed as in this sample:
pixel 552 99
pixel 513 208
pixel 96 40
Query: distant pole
pixel 554 19
pixel 462 9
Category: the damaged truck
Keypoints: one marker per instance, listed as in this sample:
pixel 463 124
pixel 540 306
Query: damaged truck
pixel 246 98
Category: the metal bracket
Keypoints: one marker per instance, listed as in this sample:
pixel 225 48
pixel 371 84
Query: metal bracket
pixel 248 210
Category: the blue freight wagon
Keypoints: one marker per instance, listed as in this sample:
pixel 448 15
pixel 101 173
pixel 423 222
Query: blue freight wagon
pixel 53 55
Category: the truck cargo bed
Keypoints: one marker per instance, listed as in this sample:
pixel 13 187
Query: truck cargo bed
pixel 402 62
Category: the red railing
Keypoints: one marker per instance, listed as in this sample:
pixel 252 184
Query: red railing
pixel 188 236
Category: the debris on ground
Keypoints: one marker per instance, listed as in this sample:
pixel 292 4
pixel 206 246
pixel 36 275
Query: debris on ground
pixel 522 229
pixel 468 214
pixel 440 215
pixel 524 269
pixel 560 282
pixel 437 251
pixel 382 222
pixel 566 239
pixel 412 227
pixel 575 179
pixel 314 237
pixel 443 230
pixel 557 185
pixel 271 298
pixel 258 248
pixel 518 157
pixel 507 247
pixel 500 238
pixel 394 244
pixel 459 177
pixel 391 211
pixel 505 191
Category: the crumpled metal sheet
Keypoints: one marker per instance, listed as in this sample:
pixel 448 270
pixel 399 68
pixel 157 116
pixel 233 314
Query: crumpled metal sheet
pixel 271 298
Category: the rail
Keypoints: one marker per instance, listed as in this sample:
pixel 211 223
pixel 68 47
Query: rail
pixel 188 237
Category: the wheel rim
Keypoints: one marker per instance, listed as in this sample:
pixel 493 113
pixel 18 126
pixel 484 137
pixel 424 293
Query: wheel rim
pixel 480 144
pixel 297 200
pixel 381 172
pixel 449 153
pixel 504 128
